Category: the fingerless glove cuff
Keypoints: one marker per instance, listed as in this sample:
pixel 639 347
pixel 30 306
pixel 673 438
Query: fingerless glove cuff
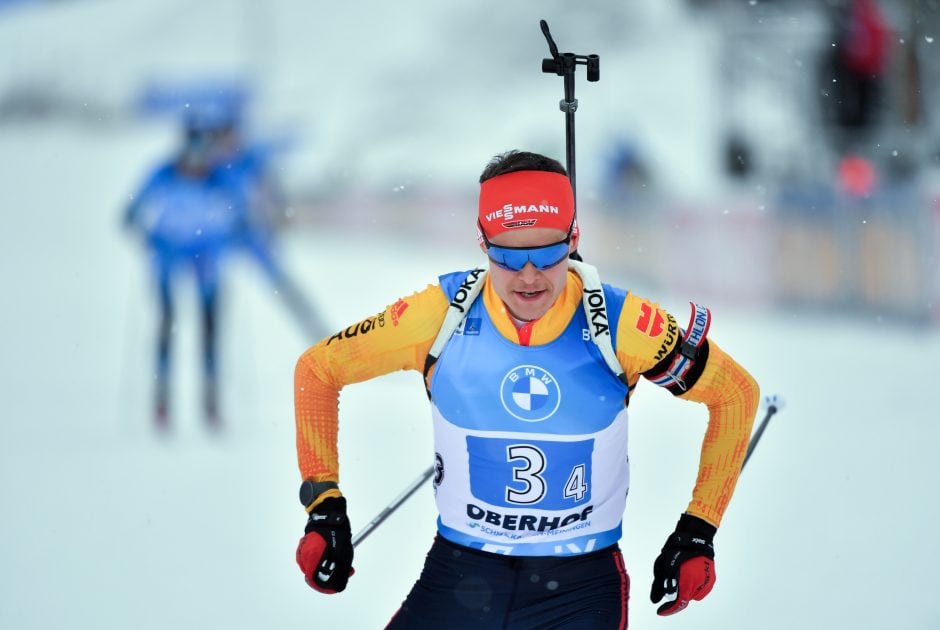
pixel 330 512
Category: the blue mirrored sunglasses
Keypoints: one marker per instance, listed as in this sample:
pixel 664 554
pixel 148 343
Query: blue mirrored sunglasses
pixel 515 258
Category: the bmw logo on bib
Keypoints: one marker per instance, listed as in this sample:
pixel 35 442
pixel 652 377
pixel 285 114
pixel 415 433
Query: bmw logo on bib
pixel 530 393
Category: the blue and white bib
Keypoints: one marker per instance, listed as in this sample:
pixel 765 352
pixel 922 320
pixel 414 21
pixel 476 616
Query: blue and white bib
pixel 530 441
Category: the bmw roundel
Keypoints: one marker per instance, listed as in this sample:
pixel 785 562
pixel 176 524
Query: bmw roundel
pixel 530 393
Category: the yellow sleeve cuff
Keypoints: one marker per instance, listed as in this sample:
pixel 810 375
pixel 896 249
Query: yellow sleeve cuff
pixel 331 493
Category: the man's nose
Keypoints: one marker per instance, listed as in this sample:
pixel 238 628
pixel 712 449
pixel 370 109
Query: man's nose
pixel 528 273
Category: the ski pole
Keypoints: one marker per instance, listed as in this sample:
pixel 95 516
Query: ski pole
pixel 391 507
pixel 564 64
pixel 304 310
pixel 774 404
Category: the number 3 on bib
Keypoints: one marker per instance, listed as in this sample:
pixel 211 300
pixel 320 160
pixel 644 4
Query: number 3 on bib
pixel 528 474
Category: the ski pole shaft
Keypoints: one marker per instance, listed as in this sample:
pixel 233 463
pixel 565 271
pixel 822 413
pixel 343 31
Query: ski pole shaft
pixel 303 309
pixel 773 406
pixel 391 507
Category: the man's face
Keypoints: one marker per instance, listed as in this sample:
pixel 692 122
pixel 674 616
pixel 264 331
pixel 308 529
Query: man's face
pixel 529 292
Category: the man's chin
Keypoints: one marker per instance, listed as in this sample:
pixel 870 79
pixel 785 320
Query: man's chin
pixel 528 310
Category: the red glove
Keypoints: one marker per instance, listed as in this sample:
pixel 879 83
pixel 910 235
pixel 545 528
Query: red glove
pixel 685 570
pixel 325 553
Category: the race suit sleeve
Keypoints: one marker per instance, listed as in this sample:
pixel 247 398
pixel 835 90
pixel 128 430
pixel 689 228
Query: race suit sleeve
pixel 647 336
pixel 398 338
pixel 151 184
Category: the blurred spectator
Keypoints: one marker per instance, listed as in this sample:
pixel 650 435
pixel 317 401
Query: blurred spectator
pixel 854 66
pixel 738 160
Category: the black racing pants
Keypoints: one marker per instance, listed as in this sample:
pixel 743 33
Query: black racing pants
pixel 462 588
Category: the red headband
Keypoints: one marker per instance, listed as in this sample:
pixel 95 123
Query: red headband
pixel 526 199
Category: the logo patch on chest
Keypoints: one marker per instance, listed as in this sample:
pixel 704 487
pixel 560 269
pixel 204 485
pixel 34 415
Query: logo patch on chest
pixel 530 393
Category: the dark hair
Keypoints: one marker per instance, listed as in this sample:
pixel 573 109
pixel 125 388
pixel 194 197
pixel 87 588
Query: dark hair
pixel 512 161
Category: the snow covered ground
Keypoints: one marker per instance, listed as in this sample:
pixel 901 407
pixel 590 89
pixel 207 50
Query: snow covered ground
pixel 106 525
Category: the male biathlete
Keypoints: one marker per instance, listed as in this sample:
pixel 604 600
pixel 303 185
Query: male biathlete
pixel 529 366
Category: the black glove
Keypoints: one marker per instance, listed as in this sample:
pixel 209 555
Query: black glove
pixel 685 569
pixel 325 553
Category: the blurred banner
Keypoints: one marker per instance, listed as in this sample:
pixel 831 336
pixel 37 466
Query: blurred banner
pixel 872 257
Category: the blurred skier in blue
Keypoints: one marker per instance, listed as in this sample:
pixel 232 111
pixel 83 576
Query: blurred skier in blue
pixel 265 209
pixel 192 211
pixel 249 167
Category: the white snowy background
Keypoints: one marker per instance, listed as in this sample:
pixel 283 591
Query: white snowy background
pixel 104 524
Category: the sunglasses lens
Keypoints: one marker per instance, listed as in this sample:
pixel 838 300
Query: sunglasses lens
pixel 514 259
pixel 545 257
